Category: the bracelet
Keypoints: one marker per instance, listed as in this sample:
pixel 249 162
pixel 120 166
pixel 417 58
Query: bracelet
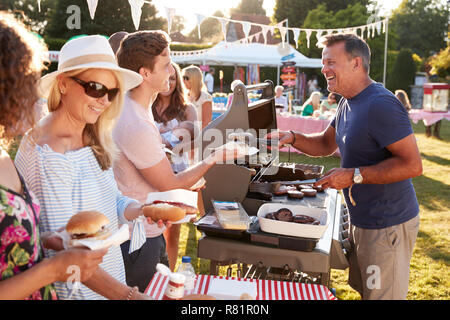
pixel 132 291
pixel 294 137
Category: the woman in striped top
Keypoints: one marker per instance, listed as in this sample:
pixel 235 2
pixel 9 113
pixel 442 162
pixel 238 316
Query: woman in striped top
pixel 24 274
pixel 66 159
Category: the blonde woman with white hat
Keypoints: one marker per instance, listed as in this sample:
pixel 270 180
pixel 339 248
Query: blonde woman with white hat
pixel 24 273
pixel 66 159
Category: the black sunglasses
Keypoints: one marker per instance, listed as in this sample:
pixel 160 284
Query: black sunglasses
pixel 186 78
pixel 97 90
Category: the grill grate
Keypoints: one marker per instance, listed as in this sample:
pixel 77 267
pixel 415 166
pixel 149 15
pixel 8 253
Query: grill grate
pixel 261 272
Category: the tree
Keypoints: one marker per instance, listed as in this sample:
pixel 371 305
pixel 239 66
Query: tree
pixel 351 16
pixel 440 64
pixel 111 16
pixel 28 12
pixel 421 25
pixel 210 30
pixel 249 6
pixel 296 11
pixel 404 71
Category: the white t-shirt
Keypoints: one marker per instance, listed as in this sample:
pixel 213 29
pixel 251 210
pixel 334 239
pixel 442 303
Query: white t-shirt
pixel 209 81
pixel 141 147
pixel 282 101
pixel 204 97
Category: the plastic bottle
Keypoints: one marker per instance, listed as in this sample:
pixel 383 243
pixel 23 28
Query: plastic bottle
pixel 175 287
pixel 188 271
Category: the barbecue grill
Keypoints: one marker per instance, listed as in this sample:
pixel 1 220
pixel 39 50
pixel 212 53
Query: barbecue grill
pixel 253 183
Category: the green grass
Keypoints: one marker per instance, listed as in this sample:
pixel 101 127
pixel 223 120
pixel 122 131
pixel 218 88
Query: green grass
pixel 429 271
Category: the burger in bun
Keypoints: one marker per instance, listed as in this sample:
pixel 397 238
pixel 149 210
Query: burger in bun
pixel 88 225
pixel 167 210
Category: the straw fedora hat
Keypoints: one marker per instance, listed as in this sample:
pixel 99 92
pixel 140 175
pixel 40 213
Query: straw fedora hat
pixel 87 53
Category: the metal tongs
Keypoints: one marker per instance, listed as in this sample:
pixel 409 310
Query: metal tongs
pixel 263 171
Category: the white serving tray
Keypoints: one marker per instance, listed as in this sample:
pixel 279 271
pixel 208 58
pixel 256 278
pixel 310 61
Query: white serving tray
pixel 292 228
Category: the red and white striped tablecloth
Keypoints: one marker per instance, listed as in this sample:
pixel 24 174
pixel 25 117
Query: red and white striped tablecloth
pixel 266 289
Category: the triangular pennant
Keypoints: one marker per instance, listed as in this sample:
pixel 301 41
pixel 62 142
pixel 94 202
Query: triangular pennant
pixel 296 32
pixel 136 11
pixel 384 25
pixel 308 34
pixel 224 23
pixel 170 13
pixel 92 4
pixel 200 19
pixel 378 25
pixel 283 32
pixel 318 34
pixel 272 30
pixel 373 25
pixel 246 26
pixel 39 5
pixel 265 29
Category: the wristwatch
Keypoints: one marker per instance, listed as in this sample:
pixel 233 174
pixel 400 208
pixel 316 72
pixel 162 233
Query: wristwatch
pixel 357 177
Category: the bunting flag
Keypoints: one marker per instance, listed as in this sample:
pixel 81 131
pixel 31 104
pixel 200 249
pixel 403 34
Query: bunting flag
pixel 296 32
pixel 318 34
pixel 308 34
pixel 224 23
pixel 283 31
pixel 136 11
pixel 379 27
pixel 92 4
pixel 170 14
pixel 265 29
pixel 246 26
pixel 200 19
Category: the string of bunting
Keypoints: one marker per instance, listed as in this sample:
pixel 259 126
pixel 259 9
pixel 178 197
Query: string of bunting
pixel 377 26
pixel 136 12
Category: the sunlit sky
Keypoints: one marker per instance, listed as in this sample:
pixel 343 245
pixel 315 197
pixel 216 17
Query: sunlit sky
pixel 188 9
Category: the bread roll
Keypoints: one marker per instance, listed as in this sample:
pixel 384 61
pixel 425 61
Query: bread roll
pixel 163 211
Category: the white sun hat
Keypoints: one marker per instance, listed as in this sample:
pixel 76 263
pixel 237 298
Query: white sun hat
pixel 87 53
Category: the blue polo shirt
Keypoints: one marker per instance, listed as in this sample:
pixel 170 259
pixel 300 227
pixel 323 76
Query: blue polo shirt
pixel 365 125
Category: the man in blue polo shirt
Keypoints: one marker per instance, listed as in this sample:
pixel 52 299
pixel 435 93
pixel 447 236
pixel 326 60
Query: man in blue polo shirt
pixel 379 158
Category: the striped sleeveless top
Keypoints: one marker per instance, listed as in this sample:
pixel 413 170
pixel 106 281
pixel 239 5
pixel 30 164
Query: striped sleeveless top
pixel 66 184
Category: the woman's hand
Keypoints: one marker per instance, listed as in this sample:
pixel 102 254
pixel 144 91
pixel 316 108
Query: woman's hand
pixel 52 241
pixel 78 262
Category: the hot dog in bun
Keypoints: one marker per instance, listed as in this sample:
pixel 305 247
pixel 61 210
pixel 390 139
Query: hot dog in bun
pixel 88 225
pixel 167 210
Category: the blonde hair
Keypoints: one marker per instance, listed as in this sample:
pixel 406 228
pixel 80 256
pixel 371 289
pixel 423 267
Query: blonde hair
pixel 403 97
pixel 196 78
pixel 311 98
pixel 98 136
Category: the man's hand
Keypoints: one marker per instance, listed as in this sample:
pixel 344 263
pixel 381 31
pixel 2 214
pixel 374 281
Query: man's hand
pixel 337 178
pixel 283 137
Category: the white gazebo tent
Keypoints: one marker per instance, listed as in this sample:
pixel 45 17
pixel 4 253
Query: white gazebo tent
pixel 244 54
pixel 238 54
